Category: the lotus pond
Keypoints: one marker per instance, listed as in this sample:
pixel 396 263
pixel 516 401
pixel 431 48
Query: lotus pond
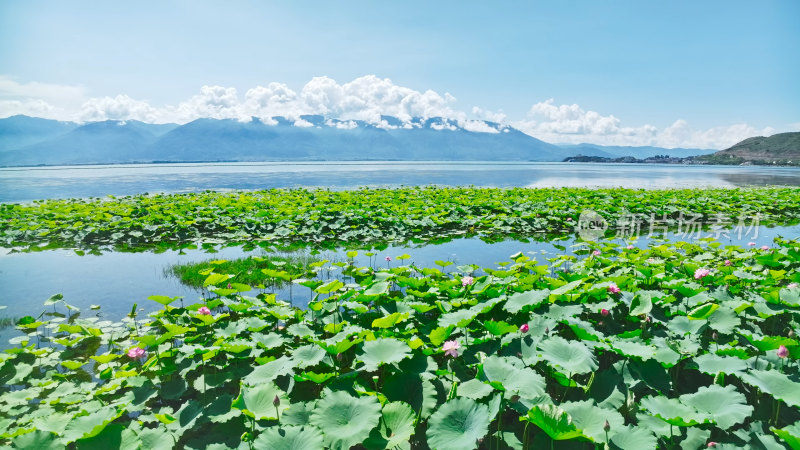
pixel 608 345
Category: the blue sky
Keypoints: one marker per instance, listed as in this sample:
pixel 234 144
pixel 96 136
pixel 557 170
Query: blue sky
pixel 640 67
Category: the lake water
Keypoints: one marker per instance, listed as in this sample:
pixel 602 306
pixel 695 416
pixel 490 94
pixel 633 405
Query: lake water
pixel 26 184
pixel 118 280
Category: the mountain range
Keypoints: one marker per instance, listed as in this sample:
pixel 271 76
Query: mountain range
pixel 29 141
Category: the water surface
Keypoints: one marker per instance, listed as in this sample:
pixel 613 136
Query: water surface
pixel 26 184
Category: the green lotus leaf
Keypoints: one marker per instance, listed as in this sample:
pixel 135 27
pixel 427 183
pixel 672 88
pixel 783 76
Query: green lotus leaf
pixel 289 438
pixel 703 311
pixel 474 389
pixel 268 341
pixel 460 318
pixel 724 405
pixel 269 371
pixel 641 304
pixel 499 328
pixel 345 420
pixel 156 439
pixel 214 279
pixel 163 299
pixel 418 392
pixel 89 425
pixel 519 300
pixel 298 414
pixel 440 334
pixel 258 401
pixel 632 438
pixel 113 436
pixel 390 320
pixel 458 424
pixel 308 355
pixel 554 421
pixel 378 288
pixel 569 357
pixel 790 434
pixel 38 440
pixel 331 286
pixel 395 429
pixel 776 384
pixel 513 376
pixel 725 320
pixel 672 411
pixel 713 364
pixel 591 419
pixel 383 351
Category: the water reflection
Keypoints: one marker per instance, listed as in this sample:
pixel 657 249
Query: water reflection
pixel 25 184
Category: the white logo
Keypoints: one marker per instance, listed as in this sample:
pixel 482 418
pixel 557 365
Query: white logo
pixel 591 226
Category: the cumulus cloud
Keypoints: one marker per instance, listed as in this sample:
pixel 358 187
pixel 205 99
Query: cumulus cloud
pixel 572 124
pixel 368 98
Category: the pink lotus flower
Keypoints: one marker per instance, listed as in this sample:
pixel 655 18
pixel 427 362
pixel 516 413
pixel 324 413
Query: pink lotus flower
pixel 467 280
pixel 136 352
pixel 700 273
pixel 524 328
pixel 728 262
pixel 791 285
pixel 451 348
pixel 751 244
pixel 569 219
pixel 604 312
pixel 629 247
pixel 388 258
pixel 596 253
pixel 765 247
pixel 711 444
pixel 783 352
pixel 229 286
pixel 204 311
pixel 613 289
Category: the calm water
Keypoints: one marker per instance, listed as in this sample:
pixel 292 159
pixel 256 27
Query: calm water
pixel 118 280
pixel 25 184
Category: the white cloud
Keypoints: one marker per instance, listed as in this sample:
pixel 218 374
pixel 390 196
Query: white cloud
pixel 366 98
pixel 302 123
pixel 572 124
pixel 120 107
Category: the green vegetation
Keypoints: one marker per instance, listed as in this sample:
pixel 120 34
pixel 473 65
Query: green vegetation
pixel 288 219
pixel 252 270
pixel 675 346
pixel 782 148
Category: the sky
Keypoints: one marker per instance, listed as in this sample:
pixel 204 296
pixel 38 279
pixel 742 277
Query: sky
pixel 681 73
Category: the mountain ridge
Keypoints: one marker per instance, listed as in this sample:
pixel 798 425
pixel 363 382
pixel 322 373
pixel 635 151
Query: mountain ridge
pixel 311 137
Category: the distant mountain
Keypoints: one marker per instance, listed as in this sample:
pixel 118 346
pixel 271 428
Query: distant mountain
pixel 19 131
pixel 45 142
pixel 782 148
pixel 609 151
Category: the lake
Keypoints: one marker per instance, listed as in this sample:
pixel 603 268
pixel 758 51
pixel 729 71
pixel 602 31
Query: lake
pixel 118 280
pixel 26 184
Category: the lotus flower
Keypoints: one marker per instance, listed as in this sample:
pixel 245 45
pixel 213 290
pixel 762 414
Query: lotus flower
pixel 629 247
pixel 596 253
pixel 700 273
pixel 388 258
pixel 765 247
pixel 711 444
pixel 783 352
pixel 791 285
pixel 604 312
pixel 728 262
pixel 451 348
pixel 613 289
pixel 230 286
pixel 136 352
pixel 467 280
pixel 204 311
pixel 524 328
pixel 751 244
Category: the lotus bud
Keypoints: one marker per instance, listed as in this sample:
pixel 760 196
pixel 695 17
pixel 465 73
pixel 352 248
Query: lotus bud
pixel 606 426
pixel 524 328
pixel 604 312
pixel 547 330
pixel 711 444
pixel 783 352
pixel 276 401
pixel 791 333
pixel 714 336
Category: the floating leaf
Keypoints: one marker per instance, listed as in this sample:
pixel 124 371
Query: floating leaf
pixel 289 438
pixel 345 420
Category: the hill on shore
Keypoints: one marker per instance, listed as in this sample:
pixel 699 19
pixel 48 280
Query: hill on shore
pixel 782 148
